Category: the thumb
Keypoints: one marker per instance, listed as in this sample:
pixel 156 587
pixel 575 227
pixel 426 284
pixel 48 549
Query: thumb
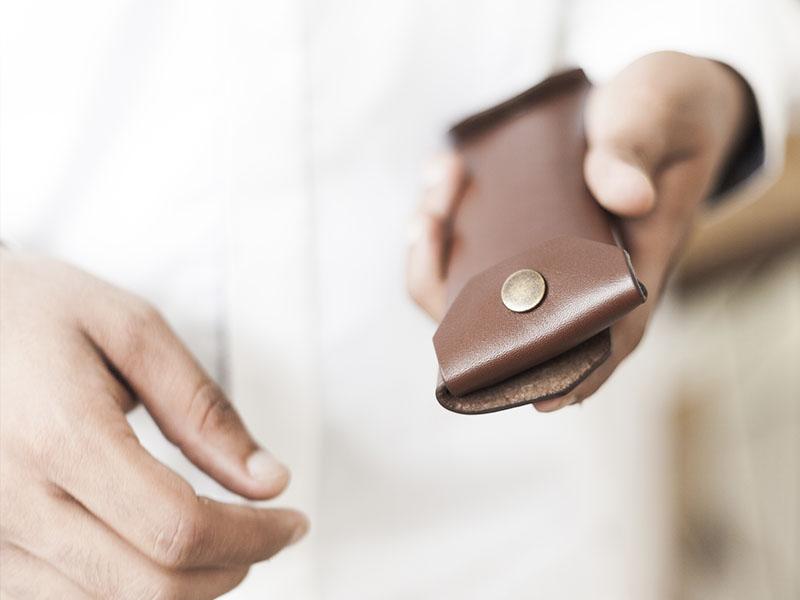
pixel 189 408
pixel 621 182
pixel 662 109
pixel 631 123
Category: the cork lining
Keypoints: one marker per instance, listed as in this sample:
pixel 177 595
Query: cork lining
pixel 550 379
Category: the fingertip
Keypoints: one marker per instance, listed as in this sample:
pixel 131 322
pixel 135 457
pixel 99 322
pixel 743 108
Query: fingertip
pixel 300 529
pixel 618 185
pixel 553 404
pixel 549 405
pixel 442 167
pixel 443 181
pixel 269 476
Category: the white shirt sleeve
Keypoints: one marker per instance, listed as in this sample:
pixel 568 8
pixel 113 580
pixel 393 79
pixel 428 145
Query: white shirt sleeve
pixel 747 35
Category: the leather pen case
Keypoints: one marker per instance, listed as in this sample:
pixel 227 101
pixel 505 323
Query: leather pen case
pixel 536 271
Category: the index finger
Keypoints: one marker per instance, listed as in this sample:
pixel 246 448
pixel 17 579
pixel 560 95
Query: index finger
pixel 108 471
pixel 186 404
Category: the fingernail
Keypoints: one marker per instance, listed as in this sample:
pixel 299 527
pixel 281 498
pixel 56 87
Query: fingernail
pixel 262 466
pixel 299 533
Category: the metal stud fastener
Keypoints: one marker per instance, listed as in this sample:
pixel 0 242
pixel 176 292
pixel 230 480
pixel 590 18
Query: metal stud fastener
pixel 523 290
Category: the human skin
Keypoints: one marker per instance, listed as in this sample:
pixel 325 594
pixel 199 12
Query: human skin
pixel 85 511
pixel 658 135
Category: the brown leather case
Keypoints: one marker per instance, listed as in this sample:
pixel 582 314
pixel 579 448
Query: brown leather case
pixel 526 206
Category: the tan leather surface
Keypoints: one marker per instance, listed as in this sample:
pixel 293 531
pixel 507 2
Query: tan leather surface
pixel 480 342
pixel 525 166
pixel 524 160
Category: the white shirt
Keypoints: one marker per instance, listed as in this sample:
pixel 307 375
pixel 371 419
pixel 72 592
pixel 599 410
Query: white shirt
pixel 249 167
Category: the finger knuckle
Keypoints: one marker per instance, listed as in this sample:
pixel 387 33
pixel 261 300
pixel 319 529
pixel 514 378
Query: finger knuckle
pixel 175 543
pixel 137 322
pixel 48 450
pixel 97 572
pixel 210 409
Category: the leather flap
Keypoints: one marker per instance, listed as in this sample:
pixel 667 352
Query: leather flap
pixel 480 342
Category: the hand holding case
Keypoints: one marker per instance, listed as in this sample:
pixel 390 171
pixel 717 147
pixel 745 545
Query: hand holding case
pixel 526 206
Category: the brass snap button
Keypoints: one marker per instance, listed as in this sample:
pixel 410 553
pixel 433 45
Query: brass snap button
pixel 523 290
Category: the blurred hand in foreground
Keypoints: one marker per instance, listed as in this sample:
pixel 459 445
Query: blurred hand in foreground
pixel 85 511
pixel 658 135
